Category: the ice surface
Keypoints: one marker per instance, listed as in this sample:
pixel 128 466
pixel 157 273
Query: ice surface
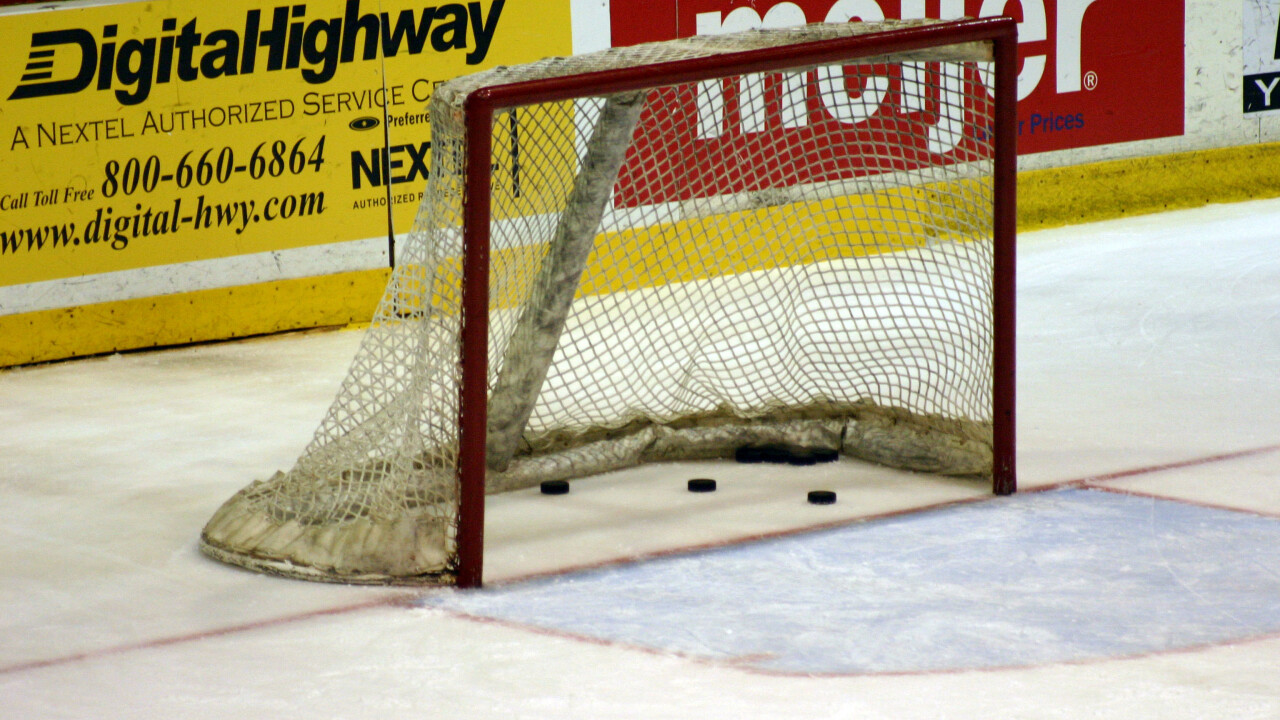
pixel 1144 343
pixel 1062 576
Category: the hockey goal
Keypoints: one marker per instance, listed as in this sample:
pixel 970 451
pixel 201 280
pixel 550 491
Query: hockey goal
pixel 799 237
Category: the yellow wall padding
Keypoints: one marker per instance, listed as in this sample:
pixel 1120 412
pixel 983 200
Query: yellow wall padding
pixel 190 317
pixel 1046 198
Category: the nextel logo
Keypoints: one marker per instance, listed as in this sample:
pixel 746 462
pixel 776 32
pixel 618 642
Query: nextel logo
pixel 387 167
pixel 291 41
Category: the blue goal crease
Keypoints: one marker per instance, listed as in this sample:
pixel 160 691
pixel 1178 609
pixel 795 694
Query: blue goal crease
pixel 1058 576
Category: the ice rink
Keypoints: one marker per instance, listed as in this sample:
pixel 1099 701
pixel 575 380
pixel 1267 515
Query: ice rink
pixel 1136 574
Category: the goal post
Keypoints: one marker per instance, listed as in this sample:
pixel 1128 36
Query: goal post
pixel 799 237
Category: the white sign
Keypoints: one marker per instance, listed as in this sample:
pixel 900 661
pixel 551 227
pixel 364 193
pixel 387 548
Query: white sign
pixel 1261 56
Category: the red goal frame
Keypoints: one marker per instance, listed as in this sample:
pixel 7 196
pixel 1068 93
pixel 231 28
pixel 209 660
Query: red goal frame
pixel 481 106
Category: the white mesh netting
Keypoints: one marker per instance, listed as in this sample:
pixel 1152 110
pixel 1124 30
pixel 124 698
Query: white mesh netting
pixel 799 258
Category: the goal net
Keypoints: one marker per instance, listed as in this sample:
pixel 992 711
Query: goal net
pixel 798 238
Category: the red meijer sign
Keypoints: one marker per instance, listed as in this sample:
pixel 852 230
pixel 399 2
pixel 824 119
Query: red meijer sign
pixel 1092 72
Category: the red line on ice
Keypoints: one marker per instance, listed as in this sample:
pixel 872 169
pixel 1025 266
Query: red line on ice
pixel 407 599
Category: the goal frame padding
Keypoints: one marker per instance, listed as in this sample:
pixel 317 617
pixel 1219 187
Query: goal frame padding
pixel 537 332
pixel 481 106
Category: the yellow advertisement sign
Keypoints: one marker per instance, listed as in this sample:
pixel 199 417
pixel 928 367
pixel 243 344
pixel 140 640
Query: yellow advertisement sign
pixel 153 133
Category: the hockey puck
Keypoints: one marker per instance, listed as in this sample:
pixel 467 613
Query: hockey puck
pixel 554 487
pixel 802 458
pixel 822 497
pixel 783 454
pixel 777 454
pixel 702 485
pixel 825 456
pixel 812 456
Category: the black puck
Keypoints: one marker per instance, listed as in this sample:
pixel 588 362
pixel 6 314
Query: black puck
pixel 783 454
pixel 762 454
pixel 822 497
pixel 554 487
pixel 777 454
pixel 802 458
pixel 825 456
pixel 701 485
